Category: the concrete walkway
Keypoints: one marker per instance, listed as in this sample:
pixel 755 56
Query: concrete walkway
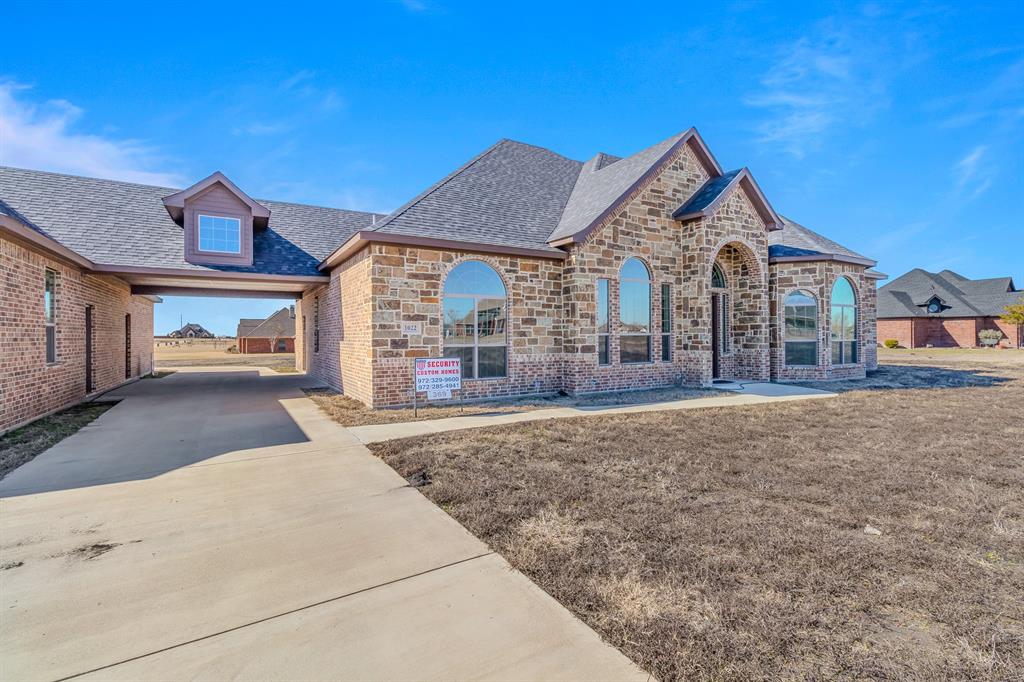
pixel 733 394
pixel 215 525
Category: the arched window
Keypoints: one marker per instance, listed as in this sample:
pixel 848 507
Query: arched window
pixel 634 312
pixel 717 277
pixel 844 323
pixel 474 320
pixel 801 340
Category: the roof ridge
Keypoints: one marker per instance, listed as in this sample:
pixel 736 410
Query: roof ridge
pixel 537 146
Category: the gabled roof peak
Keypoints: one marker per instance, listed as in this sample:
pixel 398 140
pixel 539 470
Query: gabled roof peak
pixel 711 194
pixel 175 203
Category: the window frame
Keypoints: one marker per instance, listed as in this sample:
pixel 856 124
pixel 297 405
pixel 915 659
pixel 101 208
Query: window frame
pixel 199 234
pixel 666 322
pixel 838 342
pixel 476 345
pixel 604 339
pixel 786 342
pixel 648 334
pixel 50 316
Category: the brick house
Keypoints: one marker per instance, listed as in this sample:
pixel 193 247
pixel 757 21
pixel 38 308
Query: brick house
pixel 191 331
pixel 945 309
pixel 540 272
pixel 275 334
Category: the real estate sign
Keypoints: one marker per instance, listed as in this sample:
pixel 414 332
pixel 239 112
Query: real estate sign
pixel 438 377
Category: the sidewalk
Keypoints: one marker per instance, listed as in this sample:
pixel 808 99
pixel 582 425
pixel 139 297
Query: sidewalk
pixel 733 394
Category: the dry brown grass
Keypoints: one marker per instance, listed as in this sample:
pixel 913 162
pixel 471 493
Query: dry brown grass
pixel 214 352
pixel 349 412
pixel 729 543
pixel 22 445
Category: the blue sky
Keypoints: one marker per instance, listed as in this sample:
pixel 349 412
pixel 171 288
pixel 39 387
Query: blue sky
pixel 896 129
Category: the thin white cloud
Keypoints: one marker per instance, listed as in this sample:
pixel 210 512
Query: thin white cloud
pixel 414 5
pixel 258 129
pixel 819 84
pixel 973 175
pixel 43 136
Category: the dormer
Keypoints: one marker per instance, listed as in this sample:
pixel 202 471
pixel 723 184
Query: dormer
pixel 935 305
pixel 218 220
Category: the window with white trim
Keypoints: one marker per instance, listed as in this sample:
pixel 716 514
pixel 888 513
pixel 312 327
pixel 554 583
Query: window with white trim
pixel 634 312
pixel 801 331
pixel 220 234
pixel 50 314
pixel 475 317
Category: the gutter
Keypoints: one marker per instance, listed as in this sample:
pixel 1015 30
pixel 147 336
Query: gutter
pixel 824 257
pixel 364 238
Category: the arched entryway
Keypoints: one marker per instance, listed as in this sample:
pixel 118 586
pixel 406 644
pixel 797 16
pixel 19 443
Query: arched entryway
pixel 738 312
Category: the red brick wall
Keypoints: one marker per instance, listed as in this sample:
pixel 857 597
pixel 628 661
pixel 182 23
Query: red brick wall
pixel 262 344
pixel 901 329
pixel 28 386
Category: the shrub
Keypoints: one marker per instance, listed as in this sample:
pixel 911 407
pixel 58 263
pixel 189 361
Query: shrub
pixel 891 343
pixel 990 337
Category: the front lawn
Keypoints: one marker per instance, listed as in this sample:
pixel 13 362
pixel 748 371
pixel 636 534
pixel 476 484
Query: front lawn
pixel 22 445
pixel 740 543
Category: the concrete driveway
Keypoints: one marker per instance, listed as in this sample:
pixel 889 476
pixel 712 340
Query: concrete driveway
pixel 214 525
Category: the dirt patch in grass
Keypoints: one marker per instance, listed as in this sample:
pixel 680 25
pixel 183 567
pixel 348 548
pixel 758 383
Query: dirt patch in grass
pixel 730 543
pixel 349 412
pixel 22 445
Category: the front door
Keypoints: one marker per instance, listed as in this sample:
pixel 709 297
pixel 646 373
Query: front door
pixel 88 349
pixel 716 345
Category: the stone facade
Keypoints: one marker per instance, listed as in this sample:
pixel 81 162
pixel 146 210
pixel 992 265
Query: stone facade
pixel 383 308
pixel 31 387
pixel 818 278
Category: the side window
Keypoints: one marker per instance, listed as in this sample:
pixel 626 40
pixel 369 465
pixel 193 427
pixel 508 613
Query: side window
pixel 316 324
pixel 475 316
pixel 50 315
pixel 666 322
pixel 603 339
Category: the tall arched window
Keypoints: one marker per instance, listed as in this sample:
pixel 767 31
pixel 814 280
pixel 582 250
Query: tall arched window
pixel 474 320
pixel 844 323
pixel 717 277
pixel 801 340
pixel 634 312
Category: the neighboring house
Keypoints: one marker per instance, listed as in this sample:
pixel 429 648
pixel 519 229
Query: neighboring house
pixel 276 334
pixel 191 331
pixel 541 273
pixel 940 309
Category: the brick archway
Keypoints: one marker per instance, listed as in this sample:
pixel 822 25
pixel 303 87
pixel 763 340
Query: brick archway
pixel 738 313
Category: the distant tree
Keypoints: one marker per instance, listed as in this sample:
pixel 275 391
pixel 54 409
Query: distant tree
pixel 1014 313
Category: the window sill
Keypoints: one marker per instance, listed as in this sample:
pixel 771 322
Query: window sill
pixel 465 379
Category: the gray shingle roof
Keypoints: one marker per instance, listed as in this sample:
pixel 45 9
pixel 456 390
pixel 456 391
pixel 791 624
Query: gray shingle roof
pixel 909 295
pixel 600 184
pixel 796 240
pixel 138 231
pixel 280 324
pixel 510 195
pixel 246 325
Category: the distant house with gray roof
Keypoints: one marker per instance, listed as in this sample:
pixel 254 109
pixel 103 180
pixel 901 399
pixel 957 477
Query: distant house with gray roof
pixel 191 331
pixel 943 309
pixel 275 334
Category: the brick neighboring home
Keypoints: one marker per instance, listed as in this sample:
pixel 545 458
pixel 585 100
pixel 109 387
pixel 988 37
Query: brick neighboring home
pixel 275 334
pixel 945 309
pixel 191 331
pixel 540 272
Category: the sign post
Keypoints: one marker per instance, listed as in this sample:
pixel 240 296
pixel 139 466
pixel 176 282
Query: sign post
pixel 438 377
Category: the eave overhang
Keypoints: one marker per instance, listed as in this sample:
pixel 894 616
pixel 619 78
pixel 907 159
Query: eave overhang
pixel 364 238
pixel 838 257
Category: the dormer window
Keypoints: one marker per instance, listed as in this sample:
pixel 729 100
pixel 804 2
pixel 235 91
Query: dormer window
pixel 934 307
pixel 219 234
pixel 218 221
